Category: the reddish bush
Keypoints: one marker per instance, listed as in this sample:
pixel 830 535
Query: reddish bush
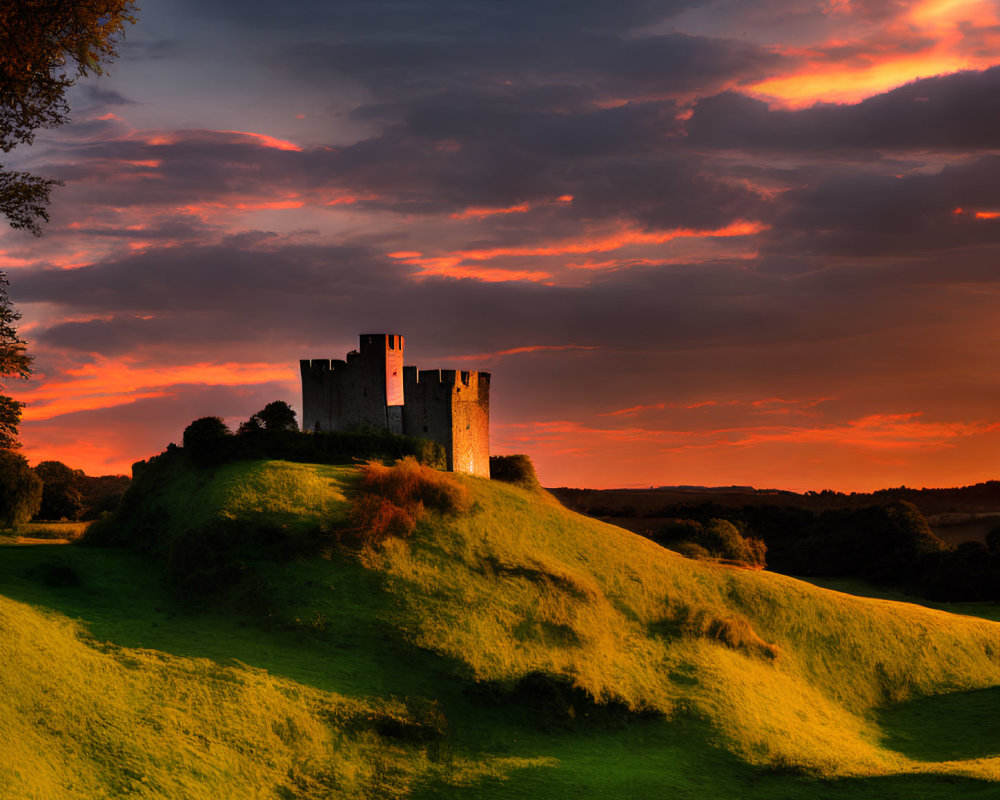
pixel 392 500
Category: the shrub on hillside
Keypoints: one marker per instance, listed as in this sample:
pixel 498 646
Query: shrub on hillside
pixel 391 501
pixel 716 538
pixel 516 469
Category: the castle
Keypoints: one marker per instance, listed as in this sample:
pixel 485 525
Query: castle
pixel 372 387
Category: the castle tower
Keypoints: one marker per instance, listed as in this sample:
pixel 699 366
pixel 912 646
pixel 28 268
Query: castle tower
pixel 372 387
pixel 453 409
pixel 367 389
pixel 381 363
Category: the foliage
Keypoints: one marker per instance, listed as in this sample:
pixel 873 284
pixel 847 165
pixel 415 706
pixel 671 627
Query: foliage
pixel 20 489
pixel 716 538
pixel 14 362
pixel 275 416
pixel 516 469
pixel 391 501
pixel 71 494
pixel 46 46
pixel 212 446
pixel 61 495
pixel 205 440
pixel 101 494
pixel 890 544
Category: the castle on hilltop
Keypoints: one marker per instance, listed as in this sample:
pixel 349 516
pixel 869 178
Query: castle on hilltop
pixel 372 387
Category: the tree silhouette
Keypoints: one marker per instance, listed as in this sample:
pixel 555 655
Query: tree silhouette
pixel 20 489
pixel 46 45
pixel 275 416
pixel 14 363
pixel 61 495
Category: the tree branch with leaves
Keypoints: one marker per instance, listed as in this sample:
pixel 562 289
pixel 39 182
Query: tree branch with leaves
pixel 45 46
pixel 14 363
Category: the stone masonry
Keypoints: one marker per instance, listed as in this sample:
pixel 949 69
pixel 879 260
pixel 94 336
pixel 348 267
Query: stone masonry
pixel 372 387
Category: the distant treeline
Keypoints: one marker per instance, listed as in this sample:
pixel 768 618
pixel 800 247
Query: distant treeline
pixel 889 544
pixel 70 494
pixel 658 502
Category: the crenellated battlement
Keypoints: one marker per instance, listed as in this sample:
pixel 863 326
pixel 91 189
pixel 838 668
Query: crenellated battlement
pixel 373 387
pixel 321 365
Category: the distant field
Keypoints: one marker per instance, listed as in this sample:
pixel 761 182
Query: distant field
pixel 516 650
pixel 38 532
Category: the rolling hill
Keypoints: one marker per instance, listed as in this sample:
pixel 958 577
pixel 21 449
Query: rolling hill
pixel 246 643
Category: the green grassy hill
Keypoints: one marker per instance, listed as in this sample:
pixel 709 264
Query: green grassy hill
pixel 248 646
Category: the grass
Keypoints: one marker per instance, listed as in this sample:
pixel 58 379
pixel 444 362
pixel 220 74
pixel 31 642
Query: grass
pixel 514 650
pixel 37 532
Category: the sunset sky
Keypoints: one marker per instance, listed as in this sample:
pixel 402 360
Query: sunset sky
pixel 747 242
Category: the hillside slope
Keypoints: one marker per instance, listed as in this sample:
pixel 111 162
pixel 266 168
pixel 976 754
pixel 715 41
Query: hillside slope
pixel 516 649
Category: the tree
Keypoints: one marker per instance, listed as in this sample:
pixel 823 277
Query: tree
pixel 275 416
pixel 205 429
pixel 20 489
pixel 47 45
pixel 61 495
pixel 14 363
pixel 208 441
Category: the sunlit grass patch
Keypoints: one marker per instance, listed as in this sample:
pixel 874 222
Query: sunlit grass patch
pixel 733 631
pixel 37 532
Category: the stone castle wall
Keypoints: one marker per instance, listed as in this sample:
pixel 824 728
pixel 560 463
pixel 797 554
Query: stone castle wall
pixel 374 388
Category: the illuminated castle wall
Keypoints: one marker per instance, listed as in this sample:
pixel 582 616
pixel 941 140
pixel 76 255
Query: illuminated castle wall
pixel 372 387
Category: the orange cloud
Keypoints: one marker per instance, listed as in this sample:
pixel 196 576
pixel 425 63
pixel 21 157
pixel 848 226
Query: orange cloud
pixel 877 431
pixel 955 35
pixel 633 410
pixel 861 455
pixel 479 212
pixel 452 264
pixel 287 202
pixel 267 141
pixel 616 241
pixel 485 274
pixel 93 456
pixel 516 351
pixel 107 382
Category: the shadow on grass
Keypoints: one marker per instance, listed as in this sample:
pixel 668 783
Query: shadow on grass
pixel 324 625
pixel 345 646
pixel 949 727
pixel 675 759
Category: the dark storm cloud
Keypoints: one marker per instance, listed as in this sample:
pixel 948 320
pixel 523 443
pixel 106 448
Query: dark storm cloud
pixel 617 163
pixel 949 112
pixel 853 212
pixel 442 18
pixel 217 278
pixel 140 48
pixel 453 151
pixel 90 96
pixel 281 301
pixel 610 66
